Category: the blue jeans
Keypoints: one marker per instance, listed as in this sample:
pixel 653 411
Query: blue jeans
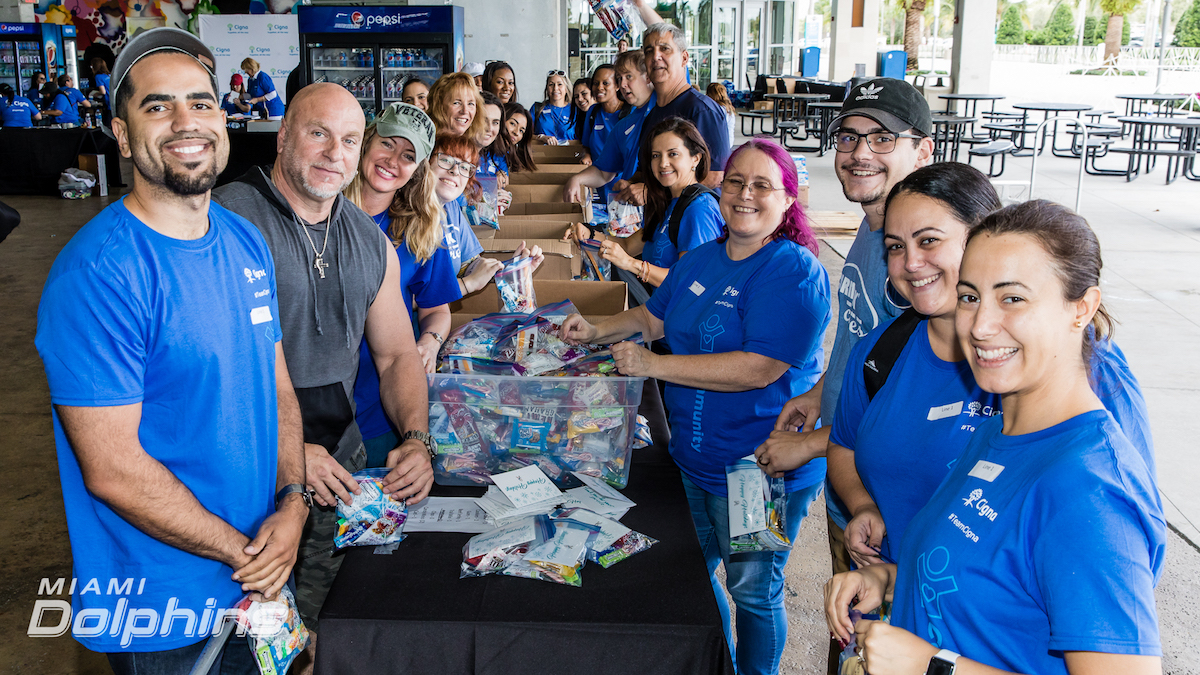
pixel 235 659
pixel 755 580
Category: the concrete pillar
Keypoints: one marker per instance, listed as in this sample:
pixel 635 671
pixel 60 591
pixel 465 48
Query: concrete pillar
pixel 974 44
pixel 855 29
pixel 530 35
pixel 16 11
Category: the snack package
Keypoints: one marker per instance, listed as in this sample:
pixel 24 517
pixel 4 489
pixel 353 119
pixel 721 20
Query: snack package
pixel 595 268
pixel 559 559
pixel 848 661
pixel 624 219
pixel 496 550
pixel 641 434
pixel 487 209
pixel 371 518
pixel 515 285
pixel 620 18
pixel 274 630
pixel 756 508
pixel 614 543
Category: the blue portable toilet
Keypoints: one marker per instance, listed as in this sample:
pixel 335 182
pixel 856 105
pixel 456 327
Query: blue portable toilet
pixel 810 61
pixel 893 64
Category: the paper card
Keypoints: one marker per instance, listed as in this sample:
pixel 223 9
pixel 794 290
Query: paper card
pixel 517 533
pixel 566 548
pixel 610 530
pixel 603 488
pixel 446 514
pixel 526 486
pixel 986 470
pixel 940 412
pixel 587 498
pixel 747 511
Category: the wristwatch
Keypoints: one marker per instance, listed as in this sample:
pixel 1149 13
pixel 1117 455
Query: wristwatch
pixel 436 336
pixel 430 444
pixel 942 663
pixel 294 487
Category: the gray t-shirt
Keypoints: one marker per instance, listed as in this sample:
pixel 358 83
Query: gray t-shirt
pixel 323 319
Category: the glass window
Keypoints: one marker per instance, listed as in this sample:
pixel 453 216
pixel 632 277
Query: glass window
pixel 783 22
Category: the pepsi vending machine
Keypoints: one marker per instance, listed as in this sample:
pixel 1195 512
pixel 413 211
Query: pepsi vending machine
pixel 372 51
pixel 20 56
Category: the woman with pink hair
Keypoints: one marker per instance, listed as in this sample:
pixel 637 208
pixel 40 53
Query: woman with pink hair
pixel 744 317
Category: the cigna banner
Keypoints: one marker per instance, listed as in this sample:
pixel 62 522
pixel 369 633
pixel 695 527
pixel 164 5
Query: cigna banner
pixel 271 39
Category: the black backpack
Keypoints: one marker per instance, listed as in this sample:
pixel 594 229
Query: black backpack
pixel 690 193
pixel 883 355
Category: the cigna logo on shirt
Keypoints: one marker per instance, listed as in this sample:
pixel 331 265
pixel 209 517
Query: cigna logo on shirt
pixel 977 501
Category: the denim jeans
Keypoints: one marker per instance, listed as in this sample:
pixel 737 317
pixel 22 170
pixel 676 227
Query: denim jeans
pixel 235 659
pixel 755 580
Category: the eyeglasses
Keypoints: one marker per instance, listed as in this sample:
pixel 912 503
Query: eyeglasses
pixel 455 165
pixel 880 143
pixel 758 188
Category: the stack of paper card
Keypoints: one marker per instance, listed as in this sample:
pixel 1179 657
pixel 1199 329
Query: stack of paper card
pixel 597 496
pixel 517 494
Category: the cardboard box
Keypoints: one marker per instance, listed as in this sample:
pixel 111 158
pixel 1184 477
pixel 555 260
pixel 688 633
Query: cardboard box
pixel 533 229
pixel 556 154
pixel 545 211
pixel 546 174
pixel 561 262
pixel 524 194
pixel 483 232
pixel 98 167
pixel 592 298
pixel 764 105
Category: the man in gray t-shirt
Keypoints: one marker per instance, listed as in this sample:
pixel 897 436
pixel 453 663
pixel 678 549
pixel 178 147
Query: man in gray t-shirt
pixel 338 281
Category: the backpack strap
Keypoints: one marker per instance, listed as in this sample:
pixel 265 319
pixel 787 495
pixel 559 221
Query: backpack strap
pixel 887 350
pixel 685 200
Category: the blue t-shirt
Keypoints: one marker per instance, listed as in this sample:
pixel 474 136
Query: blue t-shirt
pixel 460 239
pixel 18 114
pixel 701 223
pixel 621 156
pixel 103 80
pixel 69 114
pixel 491 165
pixel 595 136
pixel 75 95
pixel 188 329
pixel 228 105
pixel 712 305
pixel 262 85
pixel 863 303
pixel 555 122
pixel 700 110
pixel 427 284
pixel 1059 551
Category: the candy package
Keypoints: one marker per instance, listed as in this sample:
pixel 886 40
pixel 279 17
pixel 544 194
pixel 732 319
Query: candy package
pixel 620 17
pixel 372 518
pixel 515 285
pixel 623 218
pixel 641 434
pixel 595 268
pixel 494 551
pixel 560 558
pixel 614 543
pixel 485 210
pixel 757 503
pixel 274 630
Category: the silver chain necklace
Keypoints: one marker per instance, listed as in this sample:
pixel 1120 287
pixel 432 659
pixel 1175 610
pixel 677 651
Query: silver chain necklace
pixel 319 264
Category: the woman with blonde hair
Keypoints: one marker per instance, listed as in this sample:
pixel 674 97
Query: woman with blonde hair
pixel 454 105
pixel 261 89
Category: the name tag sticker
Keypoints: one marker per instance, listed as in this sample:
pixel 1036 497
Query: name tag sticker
pixel 260 315
pixel 696 288
pixel 986 470
pixel 941 412
pixel 629 131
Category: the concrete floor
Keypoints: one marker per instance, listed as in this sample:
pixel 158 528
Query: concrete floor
pixel 1151 239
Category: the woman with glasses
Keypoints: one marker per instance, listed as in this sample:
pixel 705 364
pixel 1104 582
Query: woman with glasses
pixel 744 317
pixel 1040 549
pixel 498 78
pixel 553 119
pixel 678 159
pixel 454 105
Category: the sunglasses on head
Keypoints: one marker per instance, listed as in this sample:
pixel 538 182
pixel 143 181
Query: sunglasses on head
pixel 556 72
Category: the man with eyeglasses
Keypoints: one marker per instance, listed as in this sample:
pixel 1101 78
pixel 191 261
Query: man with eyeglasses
pixel 339 280
pixel 882 134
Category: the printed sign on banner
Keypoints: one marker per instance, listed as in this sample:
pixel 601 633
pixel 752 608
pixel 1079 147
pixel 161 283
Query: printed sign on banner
pixel 271 39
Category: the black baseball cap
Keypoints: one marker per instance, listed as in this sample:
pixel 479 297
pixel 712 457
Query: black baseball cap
pixel 895 104
pixel 158 40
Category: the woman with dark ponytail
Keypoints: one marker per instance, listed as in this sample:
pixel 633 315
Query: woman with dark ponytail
pixel 16 111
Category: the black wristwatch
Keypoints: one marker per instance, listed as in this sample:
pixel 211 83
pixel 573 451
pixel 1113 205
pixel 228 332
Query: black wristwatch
pixel 942 663
pixel 430 444
pixel 294 487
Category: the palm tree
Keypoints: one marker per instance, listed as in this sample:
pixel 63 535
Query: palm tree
pixel 1116 10
pixel 912 29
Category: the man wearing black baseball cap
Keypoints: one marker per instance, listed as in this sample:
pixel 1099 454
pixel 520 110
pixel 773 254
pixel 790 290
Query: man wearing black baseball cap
pixel 882 134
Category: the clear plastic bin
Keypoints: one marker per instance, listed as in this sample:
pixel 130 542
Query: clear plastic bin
pixel 486 424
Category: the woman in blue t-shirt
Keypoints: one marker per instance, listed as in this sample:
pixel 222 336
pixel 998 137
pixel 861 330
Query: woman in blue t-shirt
pixel 744 317
pixel 16 111
pixel 261 89
pixel 101 80
pixel 553 120
pixel 678 159
pixel 492 159
pixel 1040 550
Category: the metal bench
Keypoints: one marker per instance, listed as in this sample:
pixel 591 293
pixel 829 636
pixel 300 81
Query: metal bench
pixel 761 115
pixel 993 150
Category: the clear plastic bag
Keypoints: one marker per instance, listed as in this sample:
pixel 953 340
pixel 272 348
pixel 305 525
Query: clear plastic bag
pixel 515 285
pixel 620 18
pixel 493 552
pixel 560 558
pixel 274 630
pixel 757 503
pixel 372 518
pixel 624 219
pixel 614 543
pixel 487 208
pixel 595 268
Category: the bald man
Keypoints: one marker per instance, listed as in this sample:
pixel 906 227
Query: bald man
pixel 339 281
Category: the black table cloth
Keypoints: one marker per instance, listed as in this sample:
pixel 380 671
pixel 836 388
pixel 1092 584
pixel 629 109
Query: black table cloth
pixel 408 612
pixel 247 149
pixel 32 159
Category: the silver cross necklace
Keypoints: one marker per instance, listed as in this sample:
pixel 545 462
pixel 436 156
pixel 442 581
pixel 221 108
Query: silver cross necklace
pixel 319 264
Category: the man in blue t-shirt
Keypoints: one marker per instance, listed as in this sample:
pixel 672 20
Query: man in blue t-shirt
pixel 67 86
pixel 178 437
